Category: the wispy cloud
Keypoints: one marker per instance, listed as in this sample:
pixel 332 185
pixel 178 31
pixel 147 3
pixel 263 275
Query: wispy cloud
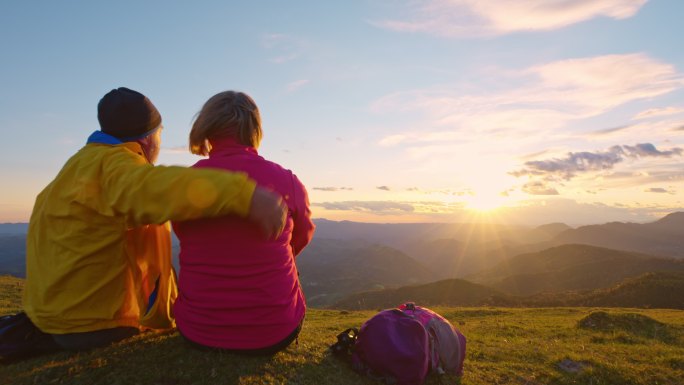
pixel 572 212
pixel 611 130
pixel 657 112
pixel 376 207
pixel 473 18
pixel 175 150
pixel 647 149
pixel 297 84
pixel 395 207
pixel 582 162
pixel 551 95
pixel 283 48
pixel 330 188
pixel 534 155
pixel 384 188
pixel 658 190
pixel 538 210
pixel 538 188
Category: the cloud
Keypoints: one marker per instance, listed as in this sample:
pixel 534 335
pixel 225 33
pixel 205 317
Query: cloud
pixel 384 188
pixel 297 84
pixel 659 190
pixel 175 150
pixel 657 112
pixel 556 209
pixel 377 207
pixel 607 131
pixel 283 48
pixel 405 208
pixel 534 155
pixel 534 211
pixel 647 149
pixel 330 188
pixel 573 163
pixel 474 18
pixel 550 96
pixel 582 162
pixel 539 188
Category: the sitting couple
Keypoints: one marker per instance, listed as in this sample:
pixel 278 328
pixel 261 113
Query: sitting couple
pixel 99 247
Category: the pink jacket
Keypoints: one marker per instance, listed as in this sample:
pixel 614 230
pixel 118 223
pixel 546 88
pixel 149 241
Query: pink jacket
pixel 239 290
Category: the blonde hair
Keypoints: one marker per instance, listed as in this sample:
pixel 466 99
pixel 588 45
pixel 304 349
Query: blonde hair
pixel 226 114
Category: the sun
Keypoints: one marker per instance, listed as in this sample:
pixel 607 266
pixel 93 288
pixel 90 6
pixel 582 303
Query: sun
pixel 484 203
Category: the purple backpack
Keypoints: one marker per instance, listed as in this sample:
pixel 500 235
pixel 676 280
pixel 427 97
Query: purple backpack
pixel 401 346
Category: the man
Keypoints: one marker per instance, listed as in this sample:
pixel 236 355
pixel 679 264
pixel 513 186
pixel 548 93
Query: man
pixel 98 246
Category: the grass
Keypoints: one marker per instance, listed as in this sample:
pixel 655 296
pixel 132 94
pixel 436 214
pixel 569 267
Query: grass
pixel 505 346
pixel 10 294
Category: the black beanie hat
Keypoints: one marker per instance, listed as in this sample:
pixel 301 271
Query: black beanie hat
pixel 127 114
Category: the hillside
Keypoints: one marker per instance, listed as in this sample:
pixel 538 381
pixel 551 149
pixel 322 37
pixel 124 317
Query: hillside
pixel 13 254
pixel 664 237
pixel 651 290
pixel 570 267
pixel 330 269
pixel 450 292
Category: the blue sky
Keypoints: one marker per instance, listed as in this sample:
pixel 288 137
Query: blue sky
pixel 435 110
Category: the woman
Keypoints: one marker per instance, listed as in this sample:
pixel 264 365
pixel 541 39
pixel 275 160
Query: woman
pixel 238 290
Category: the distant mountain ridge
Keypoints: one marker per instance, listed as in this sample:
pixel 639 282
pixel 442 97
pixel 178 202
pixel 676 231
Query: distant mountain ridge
pixel 330 269
pixel 449 292
pixel 660 290
pixel 571 267
pixel 402 235
pixel 13 254
pixel 13 228
pixel 664 237
pixel 450 258
pixel 509 260
pixel 449 250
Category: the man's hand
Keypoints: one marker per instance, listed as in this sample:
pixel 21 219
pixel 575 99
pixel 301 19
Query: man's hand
pixel 268 211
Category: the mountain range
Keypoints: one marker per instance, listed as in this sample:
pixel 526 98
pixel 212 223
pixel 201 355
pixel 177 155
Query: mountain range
pixel 330 269
pixel 650 290
pixel 664 237
pixel 570 267
pixel 502 264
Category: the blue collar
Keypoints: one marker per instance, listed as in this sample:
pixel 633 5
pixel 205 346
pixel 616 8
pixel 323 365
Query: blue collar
pixel 102 138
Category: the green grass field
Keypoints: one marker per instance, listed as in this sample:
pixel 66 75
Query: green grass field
pixel 505 346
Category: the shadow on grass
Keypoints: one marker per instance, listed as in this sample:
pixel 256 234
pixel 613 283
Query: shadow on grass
pixel 166 359
pixel 333 370
pixel 162 359
pixel 590 373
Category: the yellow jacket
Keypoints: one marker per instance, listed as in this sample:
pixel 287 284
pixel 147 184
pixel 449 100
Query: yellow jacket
pixel 98 238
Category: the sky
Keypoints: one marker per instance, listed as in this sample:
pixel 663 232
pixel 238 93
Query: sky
pixel 516 111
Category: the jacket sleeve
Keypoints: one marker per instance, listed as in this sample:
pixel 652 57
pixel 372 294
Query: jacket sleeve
pixel 148 194
pixel 303 229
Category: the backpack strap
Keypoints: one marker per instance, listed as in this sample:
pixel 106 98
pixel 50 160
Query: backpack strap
pixel 344 347
pixel 20 338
